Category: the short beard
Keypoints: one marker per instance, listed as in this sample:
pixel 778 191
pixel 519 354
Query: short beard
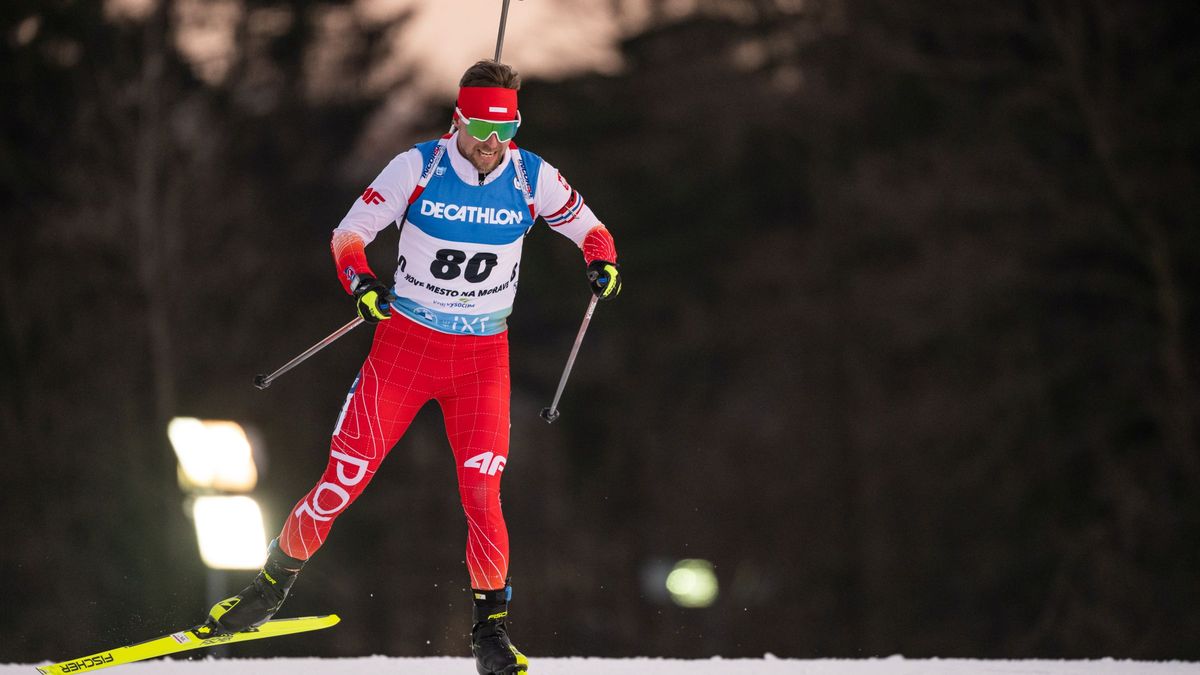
pixel 499 157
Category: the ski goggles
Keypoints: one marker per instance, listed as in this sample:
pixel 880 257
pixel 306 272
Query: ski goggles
pixel 481 129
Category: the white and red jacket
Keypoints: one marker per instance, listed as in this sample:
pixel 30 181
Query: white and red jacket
pixel 460 243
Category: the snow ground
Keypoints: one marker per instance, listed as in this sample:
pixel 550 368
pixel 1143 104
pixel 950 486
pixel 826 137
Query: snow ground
pixel 643 666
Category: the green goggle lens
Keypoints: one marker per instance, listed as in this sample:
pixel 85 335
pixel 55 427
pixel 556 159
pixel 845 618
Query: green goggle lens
pixel 481 130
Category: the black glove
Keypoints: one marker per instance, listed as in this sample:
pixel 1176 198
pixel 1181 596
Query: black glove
pixel 605 279
pixel 373 299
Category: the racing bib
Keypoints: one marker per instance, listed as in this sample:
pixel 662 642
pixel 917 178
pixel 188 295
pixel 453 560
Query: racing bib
pixel 460 251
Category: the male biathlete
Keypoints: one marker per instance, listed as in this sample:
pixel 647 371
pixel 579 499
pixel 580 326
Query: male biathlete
pixel 464 203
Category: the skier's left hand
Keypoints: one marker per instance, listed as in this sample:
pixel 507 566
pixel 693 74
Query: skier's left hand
pixel 605 279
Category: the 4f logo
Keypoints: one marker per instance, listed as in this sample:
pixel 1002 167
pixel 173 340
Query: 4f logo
pixel 372 196
pixel 489 463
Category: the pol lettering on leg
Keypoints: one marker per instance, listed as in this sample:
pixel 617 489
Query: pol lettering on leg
pixel 314 509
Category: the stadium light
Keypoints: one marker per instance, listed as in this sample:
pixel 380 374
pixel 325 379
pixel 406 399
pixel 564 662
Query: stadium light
pixel 693 583
pixel 214 455
pixel 216 468
pixel 229 529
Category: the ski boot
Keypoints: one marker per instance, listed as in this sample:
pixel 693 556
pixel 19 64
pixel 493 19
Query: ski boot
pixel 494 652
pixel 259 601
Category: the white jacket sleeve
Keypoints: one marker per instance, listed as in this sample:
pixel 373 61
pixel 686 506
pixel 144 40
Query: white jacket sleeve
pixel 562 206
pixel 379 206
pixel 383 202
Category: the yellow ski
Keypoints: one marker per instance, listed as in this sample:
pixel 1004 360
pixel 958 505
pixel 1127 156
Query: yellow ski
pixel 186 640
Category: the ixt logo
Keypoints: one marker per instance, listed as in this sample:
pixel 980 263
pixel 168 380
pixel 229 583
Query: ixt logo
pixel 372 196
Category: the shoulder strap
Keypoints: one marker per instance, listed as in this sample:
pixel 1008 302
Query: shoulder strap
pixel 522 178
pixel 426 174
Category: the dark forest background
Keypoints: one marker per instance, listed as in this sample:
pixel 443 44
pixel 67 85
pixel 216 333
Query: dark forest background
pixel 907 345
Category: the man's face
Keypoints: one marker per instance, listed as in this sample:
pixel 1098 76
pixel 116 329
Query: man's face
pixel 483 155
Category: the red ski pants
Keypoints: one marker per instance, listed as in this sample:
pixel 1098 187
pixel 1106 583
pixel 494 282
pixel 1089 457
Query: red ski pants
pixel 410 364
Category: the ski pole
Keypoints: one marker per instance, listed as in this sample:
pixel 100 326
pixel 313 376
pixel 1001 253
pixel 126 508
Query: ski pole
pixel 500 36
pixel 550 414
pixel 264 381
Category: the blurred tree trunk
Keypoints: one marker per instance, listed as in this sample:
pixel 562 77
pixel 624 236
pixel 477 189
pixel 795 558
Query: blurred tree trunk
pixel 155 233
pixel 153 191
pixel 1085 37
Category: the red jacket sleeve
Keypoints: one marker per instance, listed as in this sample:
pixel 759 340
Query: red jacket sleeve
pixel 350 257
pixel 599 245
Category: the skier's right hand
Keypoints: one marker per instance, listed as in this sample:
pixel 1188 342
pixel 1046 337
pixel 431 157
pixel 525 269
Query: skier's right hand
pixel 373 299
